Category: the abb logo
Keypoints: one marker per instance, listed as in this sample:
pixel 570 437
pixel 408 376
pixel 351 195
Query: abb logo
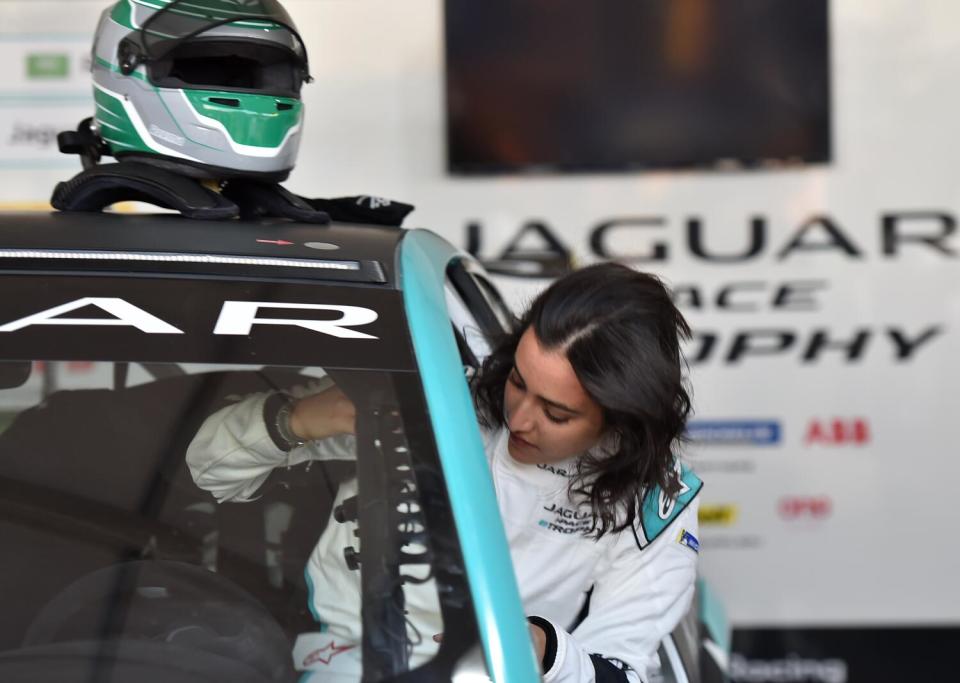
pixel 805 507
pixel 838 432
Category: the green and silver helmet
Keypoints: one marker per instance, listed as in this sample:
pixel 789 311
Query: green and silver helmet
pixel 210 88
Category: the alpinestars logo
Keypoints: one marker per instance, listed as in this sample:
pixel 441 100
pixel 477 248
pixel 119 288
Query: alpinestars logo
pixel 325 654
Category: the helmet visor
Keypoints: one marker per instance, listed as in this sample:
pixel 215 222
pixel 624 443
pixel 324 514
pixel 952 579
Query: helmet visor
pixel 175 40
pixel 228 65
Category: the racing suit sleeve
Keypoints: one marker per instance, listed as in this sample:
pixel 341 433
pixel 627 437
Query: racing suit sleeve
pixel 637 600
pixel 232 454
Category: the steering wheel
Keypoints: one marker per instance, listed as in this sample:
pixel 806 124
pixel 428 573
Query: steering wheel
pixel 158 601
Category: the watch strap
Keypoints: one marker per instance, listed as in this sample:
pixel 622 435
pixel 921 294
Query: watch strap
pixel 277 409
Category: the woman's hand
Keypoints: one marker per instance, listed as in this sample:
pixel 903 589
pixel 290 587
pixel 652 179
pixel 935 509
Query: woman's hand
pixel 322 415
pixel 539 642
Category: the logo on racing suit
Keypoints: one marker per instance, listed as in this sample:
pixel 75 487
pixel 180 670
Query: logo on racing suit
pixel 325 654
pixel 567 521
pixel 559 471
pixel 689 540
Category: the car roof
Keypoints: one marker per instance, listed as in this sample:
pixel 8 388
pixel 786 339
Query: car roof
pixel 374 247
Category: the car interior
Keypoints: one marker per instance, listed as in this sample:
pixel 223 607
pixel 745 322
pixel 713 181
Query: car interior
pixel 108 537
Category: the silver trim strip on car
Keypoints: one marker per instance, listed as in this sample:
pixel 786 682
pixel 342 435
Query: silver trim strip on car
pixel 171 257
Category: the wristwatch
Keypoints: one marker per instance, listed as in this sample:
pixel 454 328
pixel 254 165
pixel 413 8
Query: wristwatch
pixel 277 410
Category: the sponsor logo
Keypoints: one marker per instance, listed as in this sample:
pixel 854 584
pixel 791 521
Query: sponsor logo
pixel 559 471
pixel 838 432
pixel 718 515
pixel 658 239
pixel 166 136
pixel 325 654
pixel 373 202
pixel 809 347
pixel 805 507
pixel 537 250
pixel 689 540
pixel 735 432
pixel 791 669
pixel 704 466
pixel 34 135
pixel 566 520
pixel 48 65
pixel 728 542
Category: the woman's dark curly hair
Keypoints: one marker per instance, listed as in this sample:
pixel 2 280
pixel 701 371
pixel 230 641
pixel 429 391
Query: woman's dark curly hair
pixel 621 333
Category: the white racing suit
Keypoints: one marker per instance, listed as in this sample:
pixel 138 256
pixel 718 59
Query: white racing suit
pixel 642 578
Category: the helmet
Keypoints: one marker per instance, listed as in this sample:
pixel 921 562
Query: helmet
pixel 208 88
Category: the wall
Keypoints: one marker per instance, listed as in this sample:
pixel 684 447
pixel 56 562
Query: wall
pixel 823 378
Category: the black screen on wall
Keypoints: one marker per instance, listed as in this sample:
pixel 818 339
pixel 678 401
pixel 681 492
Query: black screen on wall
pixel 620 85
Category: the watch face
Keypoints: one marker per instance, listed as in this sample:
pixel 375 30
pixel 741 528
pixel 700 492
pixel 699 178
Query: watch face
pixel 276 416
pixel 283 423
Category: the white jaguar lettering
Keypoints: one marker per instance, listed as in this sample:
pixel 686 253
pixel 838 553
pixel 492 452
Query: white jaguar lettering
pixel 239 317
pixel 236 318
pixel 123 313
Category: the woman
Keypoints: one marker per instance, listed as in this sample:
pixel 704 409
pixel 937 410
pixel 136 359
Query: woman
pixel 582 408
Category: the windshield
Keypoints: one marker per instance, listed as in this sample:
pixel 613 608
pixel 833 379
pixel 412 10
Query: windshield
pixel 153 529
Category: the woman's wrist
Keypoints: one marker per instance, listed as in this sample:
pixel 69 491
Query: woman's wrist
pixel 297 426
pixel 292 422
pixel 277 413
pixel 544 640
pixel 539 642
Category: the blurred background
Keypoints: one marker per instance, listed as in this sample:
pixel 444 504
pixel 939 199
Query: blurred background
pixel 787 166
